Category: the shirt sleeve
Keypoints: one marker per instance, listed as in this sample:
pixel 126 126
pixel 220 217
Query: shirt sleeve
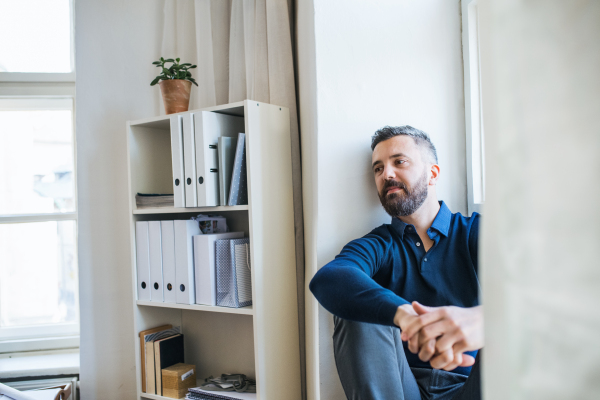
pixel 345 287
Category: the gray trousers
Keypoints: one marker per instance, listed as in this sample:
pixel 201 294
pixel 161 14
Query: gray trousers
pixel 372 365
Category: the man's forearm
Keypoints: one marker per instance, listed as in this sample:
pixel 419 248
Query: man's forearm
pixel 351 294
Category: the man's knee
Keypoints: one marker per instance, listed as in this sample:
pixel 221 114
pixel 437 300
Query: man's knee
pixel 363 337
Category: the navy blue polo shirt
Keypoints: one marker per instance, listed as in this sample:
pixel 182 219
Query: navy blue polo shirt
pixel 389 267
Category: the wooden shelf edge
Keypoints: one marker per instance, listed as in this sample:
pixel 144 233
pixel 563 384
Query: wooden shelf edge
pixel 198 307
pixel 155 397
pixel 172 210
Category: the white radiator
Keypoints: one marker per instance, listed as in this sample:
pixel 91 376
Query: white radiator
pixel 43 383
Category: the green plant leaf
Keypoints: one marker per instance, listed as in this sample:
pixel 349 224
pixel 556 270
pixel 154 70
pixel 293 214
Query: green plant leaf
pixel 155 81
pixel 177 59
pixel 162 59
pixel 156 63
pixel 165 71
pixel 169 60
pixel 193 66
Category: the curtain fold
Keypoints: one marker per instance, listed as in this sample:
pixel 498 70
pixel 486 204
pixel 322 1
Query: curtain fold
pixel 243 50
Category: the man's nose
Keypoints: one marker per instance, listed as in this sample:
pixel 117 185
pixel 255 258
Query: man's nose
pixel 389 173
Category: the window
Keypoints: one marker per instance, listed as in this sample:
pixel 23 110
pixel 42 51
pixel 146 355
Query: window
pixel 39 296
pixel 473 114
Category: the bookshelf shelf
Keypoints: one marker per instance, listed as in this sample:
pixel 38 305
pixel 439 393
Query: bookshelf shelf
pixel 262 340
pixel 172 210
pixel 198 307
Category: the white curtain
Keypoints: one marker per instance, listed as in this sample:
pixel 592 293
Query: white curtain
pixel 243 50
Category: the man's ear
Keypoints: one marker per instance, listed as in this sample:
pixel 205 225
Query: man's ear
pixel 434 171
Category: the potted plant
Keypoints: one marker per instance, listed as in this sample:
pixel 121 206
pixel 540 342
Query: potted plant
pixel 175 84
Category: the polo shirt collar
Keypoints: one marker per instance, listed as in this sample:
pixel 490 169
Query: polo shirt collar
pixel 441 223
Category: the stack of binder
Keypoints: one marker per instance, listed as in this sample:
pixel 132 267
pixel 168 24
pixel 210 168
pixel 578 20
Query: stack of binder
pixel 165 261
pixel 177 263
pixel 204 146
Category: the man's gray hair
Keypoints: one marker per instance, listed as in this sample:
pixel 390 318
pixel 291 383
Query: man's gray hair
pixel 421 138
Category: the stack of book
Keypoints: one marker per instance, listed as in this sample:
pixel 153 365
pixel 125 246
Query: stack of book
pixel 152 200
pixel 201 394
pixel 160 348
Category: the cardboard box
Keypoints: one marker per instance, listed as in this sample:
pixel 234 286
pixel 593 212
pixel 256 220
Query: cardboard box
pixel 177 379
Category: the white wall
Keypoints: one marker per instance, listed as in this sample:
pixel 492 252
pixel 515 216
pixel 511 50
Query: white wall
pixel 540 231
pixel 361 66
pixel 116 42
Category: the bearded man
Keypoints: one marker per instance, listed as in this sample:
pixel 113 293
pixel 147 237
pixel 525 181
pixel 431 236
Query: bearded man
pixel 408 323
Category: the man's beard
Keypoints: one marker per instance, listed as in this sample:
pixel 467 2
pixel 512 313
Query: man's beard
pixel 400 204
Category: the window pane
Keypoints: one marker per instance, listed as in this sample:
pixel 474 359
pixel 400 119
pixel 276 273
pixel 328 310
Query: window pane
pixel 35 36
pixel 38 274
pixel 36 156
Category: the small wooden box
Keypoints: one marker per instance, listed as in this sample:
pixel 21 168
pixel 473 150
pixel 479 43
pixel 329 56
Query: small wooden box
pixel 177 379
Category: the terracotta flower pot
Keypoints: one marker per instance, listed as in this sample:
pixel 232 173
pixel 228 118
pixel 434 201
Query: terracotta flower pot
pixel 176 95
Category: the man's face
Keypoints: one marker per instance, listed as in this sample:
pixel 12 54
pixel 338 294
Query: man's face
pixel 401 175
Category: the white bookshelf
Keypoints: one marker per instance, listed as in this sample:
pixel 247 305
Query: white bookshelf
pixel 261 340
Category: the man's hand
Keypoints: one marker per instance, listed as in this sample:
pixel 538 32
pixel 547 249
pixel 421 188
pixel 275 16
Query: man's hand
pixel 407 316
pixel 444 333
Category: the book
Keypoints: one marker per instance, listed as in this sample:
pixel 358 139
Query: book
pixel 200 394
pixel 167 352
pixel 238 191
pixel 143 350
pixel 151 200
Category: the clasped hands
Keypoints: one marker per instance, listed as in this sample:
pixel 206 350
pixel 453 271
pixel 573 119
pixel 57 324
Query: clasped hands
pixel 441 335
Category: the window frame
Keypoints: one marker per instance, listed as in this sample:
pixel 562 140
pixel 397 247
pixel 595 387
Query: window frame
pixel 39 85
pixel 475 139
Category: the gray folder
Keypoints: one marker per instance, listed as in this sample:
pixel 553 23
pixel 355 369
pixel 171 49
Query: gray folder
pixel 226 151
pixel 238 193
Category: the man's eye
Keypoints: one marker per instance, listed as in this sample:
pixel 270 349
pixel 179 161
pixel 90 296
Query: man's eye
pixel 377 170
pixel 400 161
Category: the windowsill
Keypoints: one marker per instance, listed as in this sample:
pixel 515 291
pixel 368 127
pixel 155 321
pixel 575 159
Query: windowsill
pixel 63 362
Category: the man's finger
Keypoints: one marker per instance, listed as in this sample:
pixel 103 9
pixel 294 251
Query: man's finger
pixel 460 347
pixel 413 344
pixel 441 360
pixel 415 326
pixel 434 330
pixel 458 359
pixel 448 340
pixel 427 351
pixel 420 308
pixel 467 360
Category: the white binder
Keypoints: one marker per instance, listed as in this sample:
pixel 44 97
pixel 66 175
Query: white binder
pixel 142 260
pixel 189 160
pixel 167 240
pixel 177 161
pixel 156 270
pixel 184 260
pixel 209 126
pixel 205 266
